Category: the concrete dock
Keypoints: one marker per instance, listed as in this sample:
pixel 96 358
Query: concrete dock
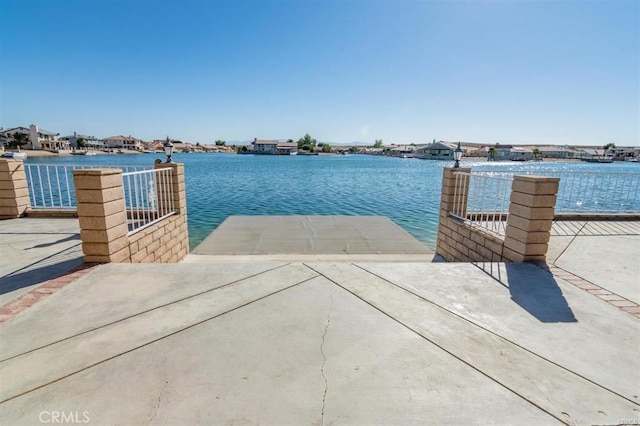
pixel 318 235
pixel 351 342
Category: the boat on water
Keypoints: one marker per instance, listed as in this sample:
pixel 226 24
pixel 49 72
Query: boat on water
pixel 632 159
pixel 83 153
pixel 15 155
pixel 598 160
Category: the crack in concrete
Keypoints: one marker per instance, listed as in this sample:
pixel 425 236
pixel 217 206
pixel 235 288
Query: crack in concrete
pixel 158 403
pixel 324 361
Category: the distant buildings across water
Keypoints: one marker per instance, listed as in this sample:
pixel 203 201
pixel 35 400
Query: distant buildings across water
pixel 34 138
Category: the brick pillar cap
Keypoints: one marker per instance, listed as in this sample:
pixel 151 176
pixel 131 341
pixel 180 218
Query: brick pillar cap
pixel 168 164
pixel 97 172
pixel 530 178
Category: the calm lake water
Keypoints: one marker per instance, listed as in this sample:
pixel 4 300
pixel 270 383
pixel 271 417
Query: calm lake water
pixel 405 190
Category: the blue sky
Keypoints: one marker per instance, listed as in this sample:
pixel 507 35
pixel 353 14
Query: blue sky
pixel 561 72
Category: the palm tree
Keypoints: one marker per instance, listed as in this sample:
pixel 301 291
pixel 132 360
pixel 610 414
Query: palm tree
pixel 536 153
pixel 492 153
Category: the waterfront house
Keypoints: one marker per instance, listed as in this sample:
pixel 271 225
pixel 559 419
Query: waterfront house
pixel 287 148
pixel 499 152
pixel 440 150
pixel 521 154
pixel 6 136
pixel 181 146
pixel 92 141
pixel 622 153
pixel 404 151
pixel 38 139
pixel 123 142
pixel 274 147
pixel 563 152
pixel 592 153
pixel 265 146
pixel 481 152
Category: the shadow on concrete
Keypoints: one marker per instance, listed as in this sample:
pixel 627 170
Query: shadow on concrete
pixel 605 227
pixel 53 243
pixel 533 289
pixel 17 280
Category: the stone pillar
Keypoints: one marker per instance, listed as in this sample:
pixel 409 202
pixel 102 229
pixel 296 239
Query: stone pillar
pixel 14 192
pixel 177 186
pixel 531 213
pixel 102 215
pixel 181 234
pixel 448 200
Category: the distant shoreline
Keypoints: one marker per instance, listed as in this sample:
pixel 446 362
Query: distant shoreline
pixel 42 153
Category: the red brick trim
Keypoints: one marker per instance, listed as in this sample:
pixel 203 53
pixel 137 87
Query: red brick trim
pixel 23 302
pixel 613 299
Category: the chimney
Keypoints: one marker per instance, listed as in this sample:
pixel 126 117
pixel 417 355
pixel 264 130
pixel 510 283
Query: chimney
pixel 33 137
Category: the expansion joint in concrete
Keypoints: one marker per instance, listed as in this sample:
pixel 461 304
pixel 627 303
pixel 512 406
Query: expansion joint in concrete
pixel 153 341
pixel 137 314
pixel 479 326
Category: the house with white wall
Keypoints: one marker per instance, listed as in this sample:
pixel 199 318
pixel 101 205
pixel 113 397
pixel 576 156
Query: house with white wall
pixel 274 147
pixel 287 148
pixel 406 151
pixel 265 146
pixel 624 153
pixel 92 141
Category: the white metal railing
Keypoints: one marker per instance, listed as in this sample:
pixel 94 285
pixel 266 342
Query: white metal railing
pixel 482 200
pixel 590 192
pixel 51 185
pixel 148 197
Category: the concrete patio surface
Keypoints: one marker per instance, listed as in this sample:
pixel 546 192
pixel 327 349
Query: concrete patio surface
pixel 341 343
pixel 33 251
pixel 313 338
pixel 603 252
